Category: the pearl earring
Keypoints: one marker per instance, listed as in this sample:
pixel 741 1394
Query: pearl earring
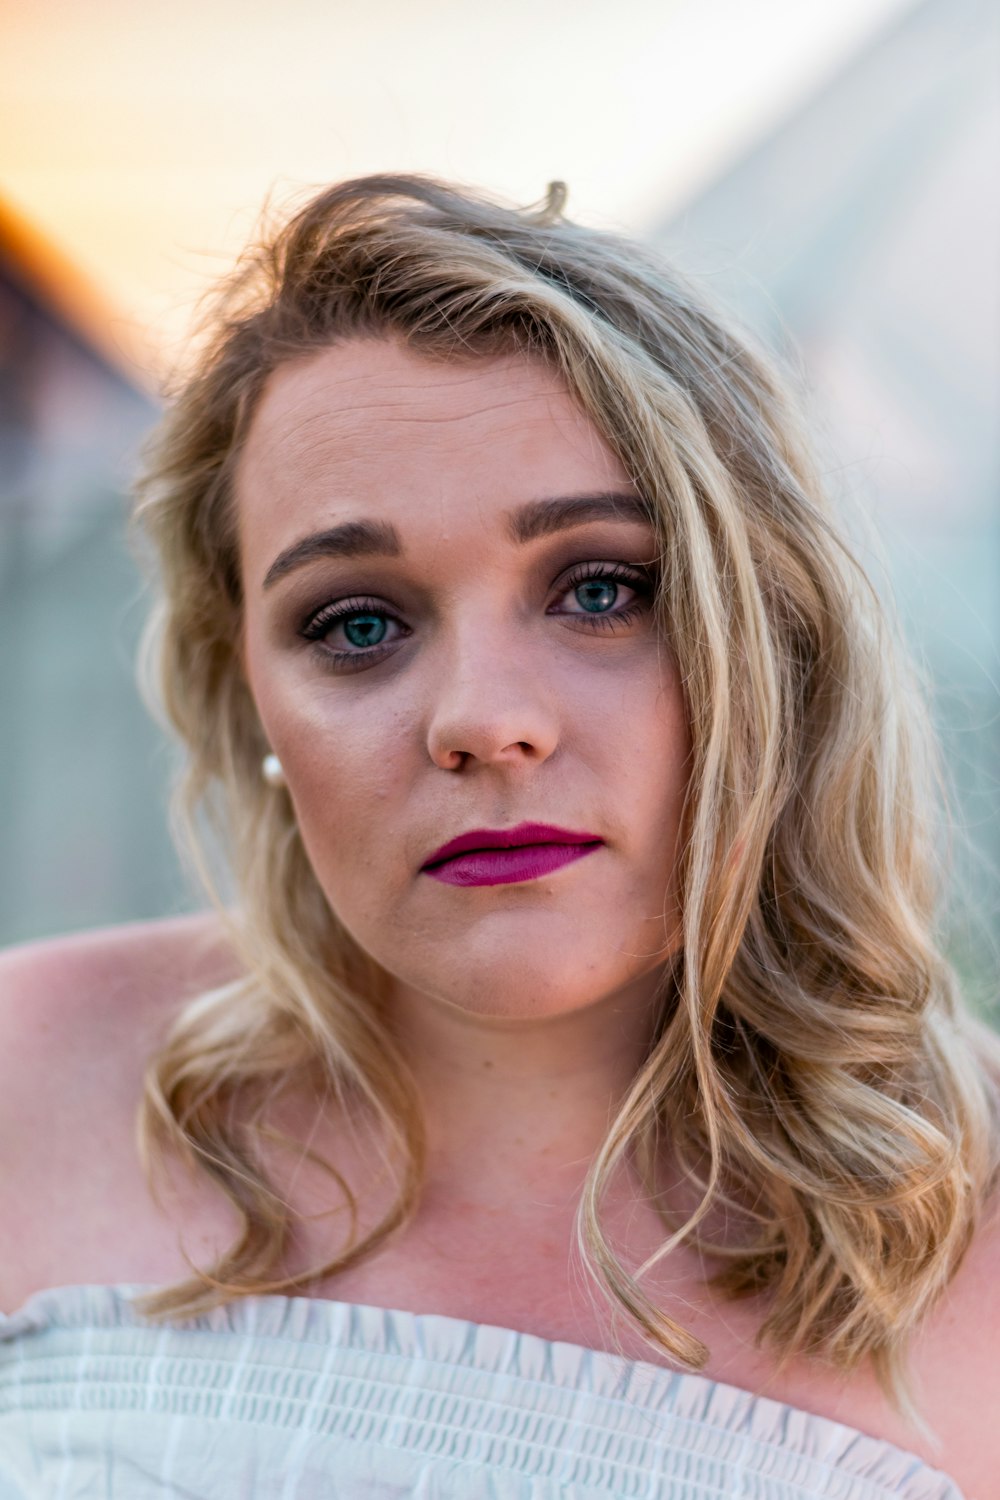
pixel 271 770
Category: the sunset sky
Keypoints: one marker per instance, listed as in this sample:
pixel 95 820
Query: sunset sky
pixel 142 139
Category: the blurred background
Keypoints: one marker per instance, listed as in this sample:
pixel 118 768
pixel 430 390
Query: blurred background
pixel 828 169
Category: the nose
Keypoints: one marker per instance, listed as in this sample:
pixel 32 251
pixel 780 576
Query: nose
pixel 491 703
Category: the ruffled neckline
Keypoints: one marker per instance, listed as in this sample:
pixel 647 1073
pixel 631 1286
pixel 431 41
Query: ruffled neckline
pixel 486 1350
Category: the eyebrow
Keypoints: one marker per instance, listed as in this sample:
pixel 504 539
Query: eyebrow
pixel 526 523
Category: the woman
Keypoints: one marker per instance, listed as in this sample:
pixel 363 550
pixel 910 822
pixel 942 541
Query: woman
pixel 578 1018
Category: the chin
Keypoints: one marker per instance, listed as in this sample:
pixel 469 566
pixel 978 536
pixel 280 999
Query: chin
pixel 522 989
pixel 517 1001
pixel 512 964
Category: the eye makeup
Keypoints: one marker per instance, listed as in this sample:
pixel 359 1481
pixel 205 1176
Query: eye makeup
pixel 606 578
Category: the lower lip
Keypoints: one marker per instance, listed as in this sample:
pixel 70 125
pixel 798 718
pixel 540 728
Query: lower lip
pixel 506 866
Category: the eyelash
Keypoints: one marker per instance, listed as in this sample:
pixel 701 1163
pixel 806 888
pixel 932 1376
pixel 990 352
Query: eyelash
pixel 316 625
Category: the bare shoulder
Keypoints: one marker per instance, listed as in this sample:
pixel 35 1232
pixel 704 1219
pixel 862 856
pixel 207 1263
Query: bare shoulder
pixel 957 1370
pixel 80 1016
pixel 76 1000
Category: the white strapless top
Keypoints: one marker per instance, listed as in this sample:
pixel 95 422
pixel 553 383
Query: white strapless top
pixel 298 1398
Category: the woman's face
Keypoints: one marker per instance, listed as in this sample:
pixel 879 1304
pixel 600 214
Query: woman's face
pixel 448 630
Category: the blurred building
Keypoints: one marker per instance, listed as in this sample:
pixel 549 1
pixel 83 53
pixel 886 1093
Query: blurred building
pixel 82 769
pixel 863 237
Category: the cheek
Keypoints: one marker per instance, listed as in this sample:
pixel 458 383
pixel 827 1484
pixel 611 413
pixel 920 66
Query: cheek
pixel 347 754
pixel 349 775
pixel 656 784
pixel 327 744
pixel 346 771
pixel 651 747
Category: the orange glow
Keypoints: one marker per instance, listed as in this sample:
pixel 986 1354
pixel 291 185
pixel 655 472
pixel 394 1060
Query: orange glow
pixel 145 138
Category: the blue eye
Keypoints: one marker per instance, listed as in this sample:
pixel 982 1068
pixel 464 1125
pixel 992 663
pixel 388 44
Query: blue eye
pixel 365 630
pixel 596 595
pixel 596 587
pixel 365 625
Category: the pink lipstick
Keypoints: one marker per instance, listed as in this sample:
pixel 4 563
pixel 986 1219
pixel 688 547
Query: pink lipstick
pixel 502 856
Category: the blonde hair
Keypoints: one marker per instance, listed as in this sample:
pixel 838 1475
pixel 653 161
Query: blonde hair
pixel 813 1067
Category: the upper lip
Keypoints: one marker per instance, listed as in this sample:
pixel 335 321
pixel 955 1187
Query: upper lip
pixel 508 838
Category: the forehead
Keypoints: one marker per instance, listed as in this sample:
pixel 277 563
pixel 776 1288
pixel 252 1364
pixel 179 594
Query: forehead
pixel 378 385
pixel 370 426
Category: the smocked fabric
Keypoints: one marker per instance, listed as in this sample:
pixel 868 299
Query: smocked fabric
pixel 299 1398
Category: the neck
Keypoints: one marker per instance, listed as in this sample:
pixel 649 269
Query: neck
pixel 513 1102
